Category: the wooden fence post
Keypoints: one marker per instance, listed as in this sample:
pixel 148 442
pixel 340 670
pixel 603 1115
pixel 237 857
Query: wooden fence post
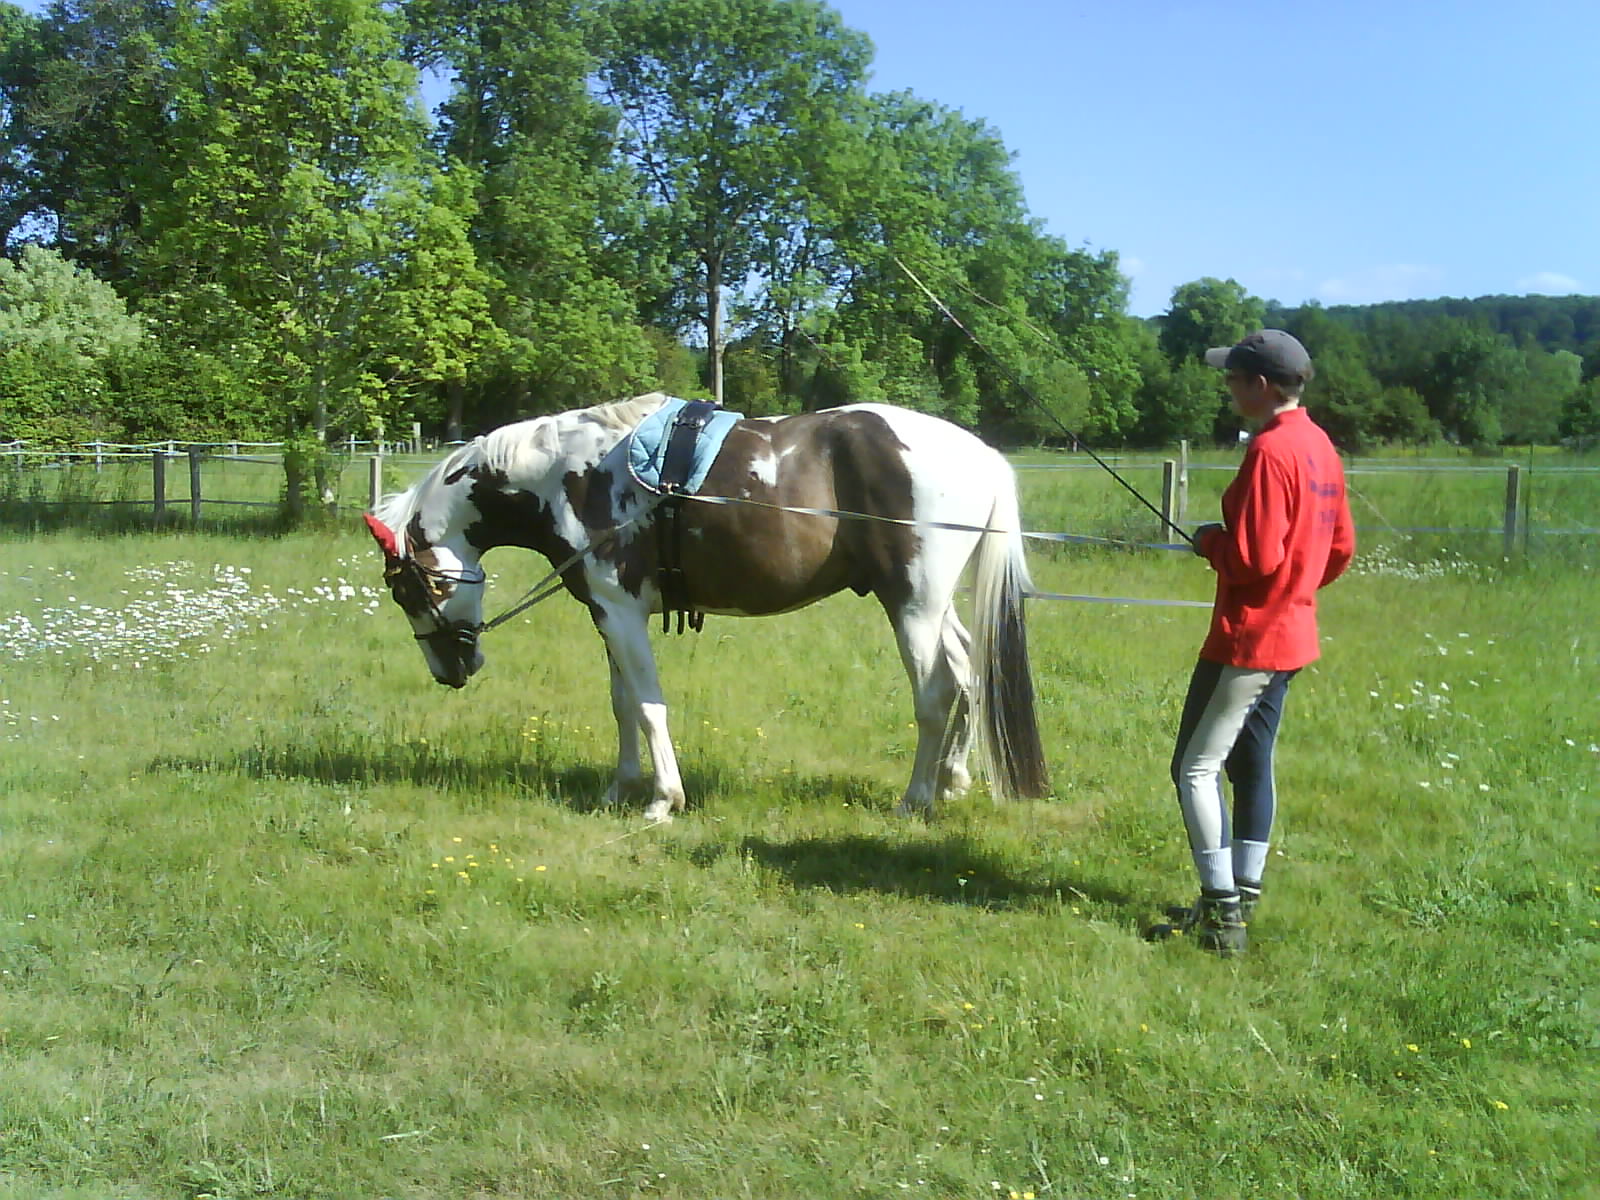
pixel 1183 481
pixel 1513 506
pixel 194 484
pixel 158 471
pixel 1169 495
pixel 374 480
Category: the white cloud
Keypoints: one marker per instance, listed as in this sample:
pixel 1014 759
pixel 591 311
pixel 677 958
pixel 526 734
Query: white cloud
pixel 1389 281
pixel 1549 283
pixel 1130 266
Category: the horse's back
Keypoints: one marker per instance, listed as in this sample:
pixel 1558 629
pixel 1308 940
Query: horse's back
pixel 868 475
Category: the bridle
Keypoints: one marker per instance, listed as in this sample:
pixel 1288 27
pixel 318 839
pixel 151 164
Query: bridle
pixel 408 578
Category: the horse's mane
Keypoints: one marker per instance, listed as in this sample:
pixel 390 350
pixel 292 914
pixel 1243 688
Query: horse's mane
pixel 522 449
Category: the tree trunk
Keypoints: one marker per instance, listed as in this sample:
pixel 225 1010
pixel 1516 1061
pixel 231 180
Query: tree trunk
pixel 455 403
pixel 714 324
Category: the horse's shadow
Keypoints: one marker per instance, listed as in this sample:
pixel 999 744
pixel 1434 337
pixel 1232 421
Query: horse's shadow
pixel 949 869
pixel 580 787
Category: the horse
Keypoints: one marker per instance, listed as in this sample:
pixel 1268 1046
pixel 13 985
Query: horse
pixel 884 501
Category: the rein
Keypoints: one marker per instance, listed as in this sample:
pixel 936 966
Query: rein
pixel 551 583
pixel 1021 387
pixel 419 576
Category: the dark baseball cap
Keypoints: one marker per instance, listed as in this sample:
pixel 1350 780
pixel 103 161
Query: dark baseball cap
pixel 1270 352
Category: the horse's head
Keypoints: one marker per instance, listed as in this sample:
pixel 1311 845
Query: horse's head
pixel 440 589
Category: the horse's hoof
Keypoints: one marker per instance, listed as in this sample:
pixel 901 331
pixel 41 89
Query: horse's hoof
pixel 659 813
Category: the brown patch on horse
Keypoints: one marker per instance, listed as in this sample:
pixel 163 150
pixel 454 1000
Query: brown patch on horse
pixel 743 558
pixel 520 518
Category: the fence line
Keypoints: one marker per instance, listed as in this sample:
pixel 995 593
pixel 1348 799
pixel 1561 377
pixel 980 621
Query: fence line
pixel 1173 502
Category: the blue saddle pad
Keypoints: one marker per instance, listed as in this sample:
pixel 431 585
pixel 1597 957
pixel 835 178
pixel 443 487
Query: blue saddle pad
pixel 648 444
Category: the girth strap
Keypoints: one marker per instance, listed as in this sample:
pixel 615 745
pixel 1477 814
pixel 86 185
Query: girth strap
pixel 677 462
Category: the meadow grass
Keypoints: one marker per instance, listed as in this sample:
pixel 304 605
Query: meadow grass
pixel 283 918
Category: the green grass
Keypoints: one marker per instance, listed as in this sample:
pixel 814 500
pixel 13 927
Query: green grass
pixel 283 918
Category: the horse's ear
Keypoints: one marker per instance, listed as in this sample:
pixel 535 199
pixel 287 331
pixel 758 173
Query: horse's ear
pixel 384 536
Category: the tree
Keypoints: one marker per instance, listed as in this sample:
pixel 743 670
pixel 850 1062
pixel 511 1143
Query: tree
pixel 724 103
pixel 1531 412
pixel 1470 373
pixel 87 92
pixel 60 312
pixel 1580 416
pixel 306 217
pixel 553 205
pixel 1207 312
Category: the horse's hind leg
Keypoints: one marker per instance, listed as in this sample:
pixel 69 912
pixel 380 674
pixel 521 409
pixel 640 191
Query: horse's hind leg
pixel 934 689
pixel 955 645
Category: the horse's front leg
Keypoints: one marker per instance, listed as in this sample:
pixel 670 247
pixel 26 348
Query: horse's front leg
pixel 640 707
pixel 625 710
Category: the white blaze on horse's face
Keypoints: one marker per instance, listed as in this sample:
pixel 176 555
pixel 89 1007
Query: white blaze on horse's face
pixel 448 631
pixel 440 589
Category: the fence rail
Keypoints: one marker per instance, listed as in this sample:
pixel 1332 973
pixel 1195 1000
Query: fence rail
pixel 107 474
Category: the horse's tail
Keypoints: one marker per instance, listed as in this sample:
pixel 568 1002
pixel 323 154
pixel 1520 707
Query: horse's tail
pixel 1002 692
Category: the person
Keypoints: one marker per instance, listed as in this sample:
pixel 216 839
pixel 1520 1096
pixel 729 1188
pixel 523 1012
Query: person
pixel 1286 532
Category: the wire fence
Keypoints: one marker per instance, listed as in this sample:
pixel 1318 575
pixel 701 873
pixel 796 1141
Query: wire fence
pixel 1475 508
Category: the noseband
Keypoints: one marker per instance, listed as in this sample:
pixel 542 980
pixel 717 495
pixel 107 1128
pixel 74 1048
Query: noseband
pixel 409 579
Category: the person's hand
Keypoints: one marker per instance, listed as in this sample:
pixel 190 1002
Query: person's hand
pixel 1202 532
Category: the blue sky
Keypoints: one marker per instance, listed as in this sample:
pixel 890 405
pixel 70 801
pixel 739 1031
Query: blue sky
pixel 1346 151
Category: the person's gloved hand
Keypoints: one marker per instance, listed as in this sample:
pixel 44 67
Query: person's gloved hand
pixel 1202 532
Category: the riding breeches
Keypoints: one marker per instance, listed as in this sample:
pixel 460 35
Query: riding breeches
pixel 1230 722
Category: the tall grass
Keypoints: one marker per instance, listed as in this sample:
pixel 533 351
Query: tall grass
pixel 283 918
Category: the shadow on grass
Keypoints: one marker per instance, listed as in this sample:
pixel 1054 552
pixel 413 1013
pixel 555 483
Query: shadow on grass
pixel 20 516
pixel 949 869
pixel 579 787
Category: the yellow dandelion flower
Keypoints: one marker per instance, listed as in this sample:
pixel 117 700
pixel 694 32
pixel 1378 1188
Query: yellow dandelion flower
pixel 462 875
pixel 1014 1194
pixel 1467 1042
pixel 1143 1028
pixel 859 925
pixel 1500 1104
pixel 540 867
pixel 455 839
pixel 1411 1046
pixel 968 1005
pixel 449 858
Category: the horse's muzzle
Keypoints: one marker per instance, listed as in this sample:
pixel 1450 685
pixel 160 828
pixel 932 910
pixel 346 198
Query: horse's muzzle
pixel 453 653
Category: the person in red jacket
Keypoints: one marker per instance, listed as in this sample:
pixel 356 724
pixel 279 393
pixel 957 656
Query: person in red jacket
pixel 1286 532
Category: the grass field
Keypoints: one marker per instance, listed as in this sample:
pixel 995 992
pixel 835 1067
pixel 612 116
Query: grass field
pixel 280 917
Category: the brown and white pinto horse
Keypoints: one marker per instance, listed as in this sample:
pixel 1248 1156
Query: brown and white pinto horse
pixel 560 485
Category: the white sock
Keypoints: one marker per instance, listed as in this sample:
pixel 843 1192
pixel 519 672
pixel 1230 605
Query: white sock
pixel 1249 860
pixel 1215 868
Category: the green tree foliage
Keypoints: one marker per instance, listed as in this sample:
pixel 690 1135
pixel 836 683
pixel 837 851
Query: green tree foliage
pixel 1194 404
pixel 618 194
pixel 60 312
pixel 59 329
pixel 553 204
pixel 306 215
pixel 87 92
pixel 724 105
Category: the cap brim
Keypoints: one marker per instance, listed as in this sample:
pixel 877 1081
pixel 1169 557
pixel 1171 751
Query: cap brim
pixel 1217 356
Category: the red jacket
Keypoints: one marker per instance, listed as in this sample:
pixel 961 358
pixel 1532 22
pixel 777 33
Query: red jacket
pixel 1287 533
